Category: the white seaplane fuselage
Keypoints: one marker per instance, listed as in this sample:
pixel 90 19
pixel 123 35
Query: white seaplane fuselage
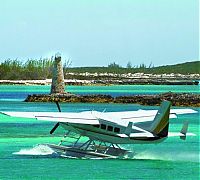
pixel 107 134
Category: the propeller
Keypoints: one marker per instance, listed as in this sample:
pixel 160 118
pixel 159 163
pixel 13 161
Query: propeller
pixel 54 128
pixel 58 106
pixel 57 124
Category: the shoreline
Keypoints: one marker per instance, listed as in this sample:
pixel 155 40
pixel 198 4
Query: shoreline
pixel 77 82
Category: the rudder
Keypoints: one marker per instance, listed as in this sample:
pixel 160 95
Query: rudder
pixel 160 124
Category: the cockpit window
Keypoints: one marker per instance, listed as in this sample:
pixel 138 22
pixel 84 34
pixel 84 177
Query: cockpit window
pixel 96 125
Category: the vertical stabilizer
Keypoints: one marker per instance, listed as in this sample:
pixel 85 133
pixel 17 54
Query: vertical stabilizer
pixel 184 130
pixel 128 129
pixel 160 124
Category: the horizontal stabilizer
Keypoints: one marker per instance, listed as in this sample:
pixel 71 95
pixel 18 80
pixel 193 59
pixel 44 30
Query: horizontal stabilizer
pixel 178 134
pixel 183 133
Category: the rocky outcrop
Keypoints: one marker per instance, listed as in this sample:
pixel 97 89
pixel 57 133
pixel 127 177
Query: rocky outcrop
pixel 177 99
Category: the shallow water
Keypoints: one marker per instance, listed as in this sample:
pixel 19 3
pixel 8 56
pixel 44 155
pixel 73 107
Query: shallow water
pixel 21 158
pixel 14 92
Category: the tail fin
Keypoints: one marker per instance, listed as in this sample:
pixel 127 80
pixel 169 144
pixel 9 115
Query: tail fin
pixel 184 130
pixel 160 124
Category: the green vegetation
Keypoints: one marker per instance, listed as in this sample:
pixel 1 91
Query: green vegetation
pixel 42 69
pixel 31 69
pixel 184 68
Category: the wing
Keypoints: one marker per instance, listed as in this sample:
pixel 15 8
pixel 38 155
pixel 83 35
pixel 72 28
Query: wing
pixel 123 118
pixel 146 115
pixel 76 118
pixel 93 117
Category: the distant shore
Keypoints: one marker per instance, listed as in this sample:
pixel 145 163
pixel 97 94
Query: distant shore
pixel 105 82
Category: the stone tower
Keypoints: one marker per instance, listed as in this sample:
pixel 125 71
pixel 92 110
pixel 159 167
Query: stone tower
pixel 58 85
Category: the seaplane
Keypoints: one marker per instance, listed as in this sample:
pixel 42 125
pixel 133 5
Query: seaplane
pixel 101 134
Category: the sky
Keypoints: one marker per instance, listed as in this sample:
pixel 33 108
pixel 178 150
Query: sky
pixel 99 32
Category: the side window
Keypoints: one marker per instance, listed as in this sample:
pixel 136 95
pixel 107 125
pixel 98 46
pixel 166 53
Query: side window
pixel 117 130
pixel 110 128
pixel 103 126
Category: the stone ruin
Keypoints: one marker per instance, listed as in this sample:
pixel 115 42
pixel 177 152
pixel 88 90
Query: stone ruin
pixel 58 84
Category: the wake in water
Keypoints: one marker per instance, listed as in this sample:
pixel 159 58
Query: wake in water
pixel 46 151
pixel 163 153
pixel 42 150
pixel 38 150
pixel 167 156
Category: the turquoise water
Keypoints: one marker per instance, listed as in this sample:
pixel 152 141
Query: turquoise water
pixel 20 92
pixel 21 158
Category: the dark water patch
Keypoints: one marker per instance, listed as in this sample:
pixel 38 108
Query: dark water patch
pixel 17 95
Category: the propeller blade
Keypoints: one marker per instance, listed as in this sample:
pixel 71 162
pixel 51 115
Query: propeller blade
pixel 57 124
pixel 58 106
pixel 54 128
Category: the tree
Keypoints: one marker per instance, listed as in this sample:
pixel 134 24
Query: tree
pixel 114 65
pixel 129 65
pixel 67 64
